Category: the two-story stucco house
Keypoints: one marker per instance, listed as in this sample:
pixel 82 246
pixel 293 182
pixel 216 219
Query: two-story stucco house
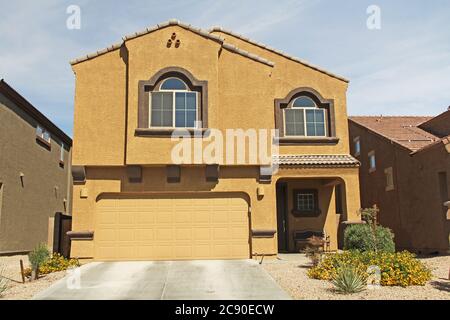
pixel 132 201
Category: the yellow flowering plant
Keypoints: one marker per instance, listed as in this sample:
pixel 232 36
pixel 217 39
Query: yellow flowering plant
pixel 397 268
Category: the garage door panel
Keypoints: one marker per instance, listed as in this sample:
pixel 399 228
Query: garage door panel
pixel 171 228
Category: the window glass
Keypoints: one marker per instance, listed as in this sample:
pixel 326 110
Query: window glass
pixel 372 161
pixel 315 122
pixel 295 124
pixel 357 146
pixel 303 102
pixel 61 155
pixel 173 84
pixel 305 202
pixel 162 109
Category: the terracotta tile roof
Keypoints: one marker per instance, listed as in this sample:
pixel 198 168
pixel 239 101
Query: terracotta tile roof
pixel 316 160
pixel 174 22
pixel 403 130
pixel 281 53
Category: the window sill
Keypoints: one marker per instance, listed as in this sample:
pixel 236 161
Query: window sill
pixel 307 140
pixel 144 132
pixel 306 214
pixel 43 143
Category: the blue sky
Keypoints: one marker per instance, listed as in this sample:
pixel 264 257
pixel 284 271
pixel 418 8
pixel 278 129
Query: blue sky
pixel 404 68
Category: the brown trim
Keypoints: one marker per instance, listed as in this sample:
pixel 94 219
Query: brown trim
pixel 212 173
pixel 43 142
pixel 29 109
pixel 81 235
pixel 327 104
pixel 79 174
pixel 173 173
pixel 297 212
pixel 134 173
pixel 263 233
pixel 307 140
pixel 146 86
pixel 168 132
pixel 265 174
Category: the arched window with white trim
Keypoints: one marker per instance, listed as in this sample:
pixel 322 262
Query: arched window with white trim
pixel 173 105
pixel 304 118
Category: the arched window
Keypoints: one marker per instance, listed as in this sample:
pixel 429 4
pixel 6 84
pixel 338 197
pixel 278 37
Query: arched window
pixel 303 117
pixel 173 104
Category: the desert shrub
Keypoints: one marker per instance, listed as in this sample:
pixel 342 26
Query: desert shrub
pixel 38 256
pixel 361 237
pixel 55 263
pixel 3 282
pixel 397 268
pixel 349 279
pixel 314 249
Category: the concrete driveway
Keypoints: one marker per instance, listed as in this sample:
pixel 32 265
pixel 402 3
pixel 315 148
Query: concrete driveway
pixel 168 280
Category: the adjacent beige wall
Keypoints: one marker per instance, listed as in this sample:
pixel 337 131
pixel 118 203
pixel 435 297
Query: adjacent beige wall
pixel 25 210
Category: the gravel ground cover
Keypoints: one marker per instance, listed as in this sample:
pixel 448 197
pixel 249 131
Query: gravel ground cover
pixel 10 265
pixel 290 273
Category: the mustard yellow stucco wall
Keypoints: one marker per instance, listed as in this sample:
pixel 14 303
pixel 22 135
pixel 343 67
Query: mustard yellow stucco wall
pixel 241 94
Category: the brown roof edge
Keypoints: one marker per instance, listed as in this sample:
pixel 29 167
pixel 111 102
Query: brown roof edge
pixel 281 53
pixel 444 141
pixel 174 22
pixel 26 106
pixel 379 135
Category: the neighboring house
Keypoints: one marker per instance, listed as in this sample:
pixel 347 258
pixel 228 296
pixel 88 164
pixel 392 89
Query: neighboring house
pixel 405 171
pixel 131 201
pixel 35 179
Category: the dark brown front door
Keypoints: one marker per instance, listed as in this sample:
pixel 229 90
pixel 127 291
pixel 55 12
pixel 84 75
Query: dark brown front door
pixel 282 217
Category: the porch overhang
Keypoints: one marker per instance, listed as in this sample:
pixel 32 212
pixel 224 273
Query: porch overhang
pixel 316 161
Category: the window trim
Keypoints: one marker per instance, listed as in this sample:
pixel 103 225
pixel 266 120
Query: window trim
pixel 145 86
pixel 327 104
pixel 303 213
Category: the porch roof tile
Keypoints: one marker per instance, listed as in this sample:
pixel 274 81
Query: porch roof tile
pixel 339 160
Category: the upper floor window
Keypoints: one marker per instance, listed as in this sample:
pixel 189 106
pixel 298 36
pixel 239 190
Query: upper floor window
pixel 173 105
pixel 43 134
pixel 372 161
pixel 389 179
pixel 304 118
pixel 61 154
pixel 357 146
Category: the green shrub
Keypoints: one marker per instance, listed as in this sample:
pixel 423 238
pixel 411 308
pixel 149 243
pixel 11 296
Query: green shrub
pixel 56 263
pixel 397 269
pixel 361 237
pixel 38 256
pixel 349 279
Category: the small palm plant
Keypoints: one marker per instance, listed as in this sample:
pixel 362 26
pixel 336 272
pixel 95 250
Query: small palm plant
pixel 348 280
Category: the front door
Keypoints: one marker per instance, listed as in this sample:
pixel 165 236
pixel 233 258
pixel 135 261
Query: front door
pixel 282 222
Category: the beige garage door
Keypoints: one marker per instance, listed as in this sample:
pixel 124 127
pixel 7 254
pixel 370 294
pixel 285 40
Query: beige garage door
pixel 171 228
